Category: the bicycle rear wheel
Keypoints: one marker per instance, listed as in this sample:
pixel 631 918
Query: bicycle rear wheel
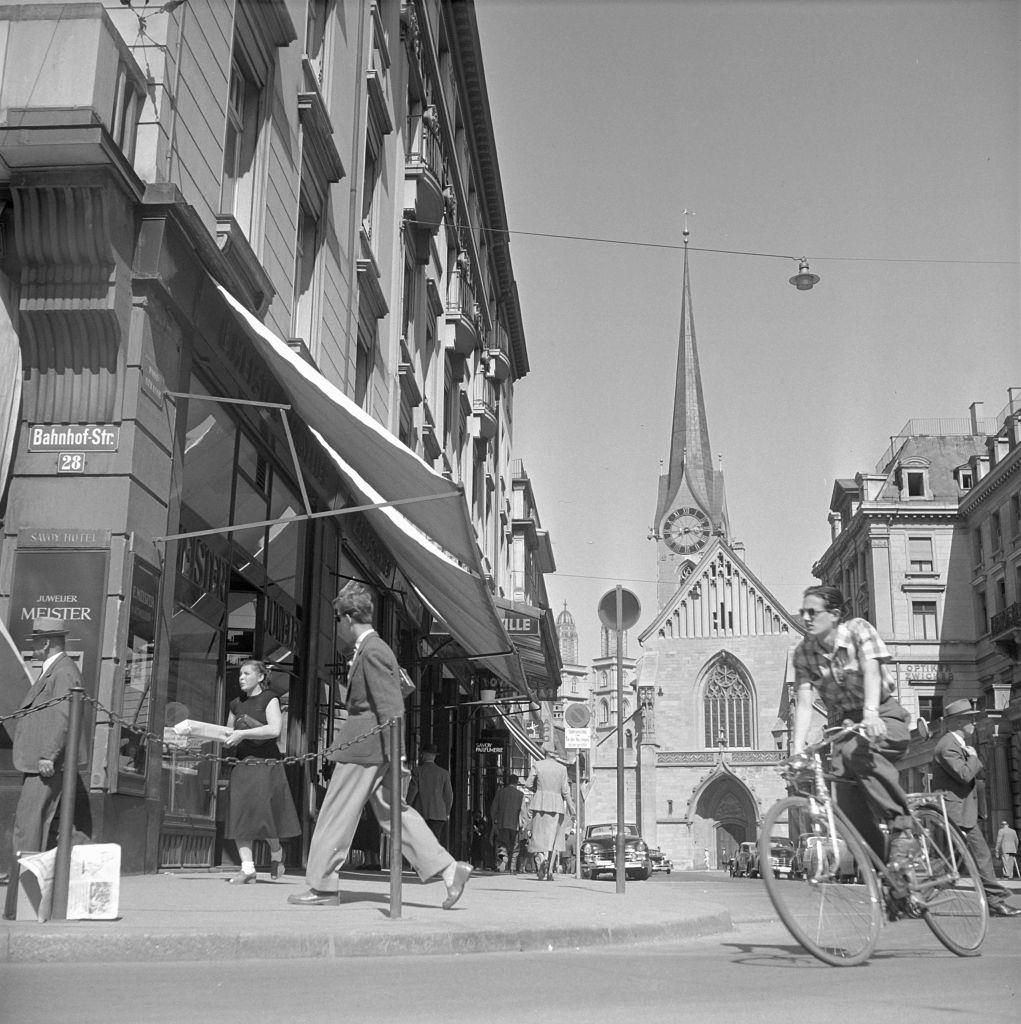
pixel 955 906
pixel 834 909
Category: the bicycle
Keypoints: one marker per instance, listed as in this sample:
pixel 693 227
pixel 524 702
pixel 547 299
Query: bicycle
pixel 837 906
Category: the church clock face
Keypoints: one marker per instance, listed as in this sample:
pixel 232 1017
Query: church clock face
pixel 686 530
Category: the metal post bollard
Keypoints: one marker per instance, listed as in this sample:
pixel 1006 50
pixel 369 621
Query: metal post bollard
pixel 62 865
pixel 396 805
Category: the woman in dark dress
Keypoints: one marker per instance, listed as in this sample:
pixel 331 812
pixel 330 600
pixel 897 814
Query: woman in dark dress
pixel 260 805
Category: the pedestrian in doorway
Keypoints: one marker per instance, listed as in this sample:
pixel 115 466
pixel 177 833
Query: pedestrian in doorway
pixel 552 793
pixel 260 805
pixel 956 766
pixel 505 814
pixel 39 739
pixel 520 858
pixel 1006 849
pixel 361 771
pixel 431 793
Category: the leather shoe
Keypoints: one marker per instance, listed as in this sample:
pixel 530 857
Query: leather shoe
pixel 462 872
pixel 1003 910
pixel 314 898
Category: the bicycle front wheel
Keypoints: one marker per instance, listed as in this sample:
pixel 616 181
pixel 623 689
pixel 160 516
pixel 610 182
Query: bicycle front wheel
pixel 955 906
pixel 834 909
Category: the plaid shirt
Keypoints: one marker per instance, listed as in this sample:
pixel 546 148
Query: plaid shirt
pixel 839 675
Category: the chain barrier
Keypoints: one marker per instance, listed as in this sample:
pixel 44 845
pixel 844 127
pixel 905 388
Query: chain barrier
pixel 145 736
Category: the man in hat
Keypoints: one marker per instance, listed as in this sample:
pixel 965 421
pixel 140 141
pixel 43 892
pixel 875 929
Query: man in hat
pixel 505 815
pixel 431 793
pixel 956 766
pixel 40 736
pixel 1006 849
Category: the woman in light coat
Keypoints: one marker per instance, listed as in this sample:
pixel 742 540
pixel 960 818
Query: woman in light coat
pixel 548 778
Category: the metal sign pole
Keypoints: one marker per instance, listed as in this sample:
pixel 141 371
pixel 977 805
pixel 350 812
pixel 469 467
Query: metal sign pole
pixel 619 860
pixel 396 805
pixel 577 814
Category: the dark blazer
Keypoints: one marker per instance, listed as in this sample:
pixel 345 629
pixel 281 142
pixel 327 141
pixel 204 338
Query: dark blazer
pixel 430 791
pixel 505 810
pixel 954 771
pixel 43 734
pixel 373 697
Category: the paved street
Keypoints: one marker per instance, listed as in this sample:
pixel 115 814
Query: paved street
pixel 752 974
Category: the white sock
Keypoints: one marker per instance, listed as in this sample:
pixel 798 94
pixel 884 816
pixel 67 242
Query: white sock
pixel 448 873
pixel 248 867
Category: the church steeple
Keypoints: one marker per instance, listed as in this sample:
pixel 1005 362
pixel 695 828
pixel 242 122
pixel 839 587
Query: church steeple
pixel 692 503
pixel 691 456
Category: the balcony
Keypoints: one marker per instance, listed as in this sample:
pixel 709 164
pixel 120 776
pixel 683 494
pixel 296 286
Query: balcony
pixel 71 92
pixel 423 185
pixel 484 406
pixel 498 364
pixel 1005 630
pixel 462 311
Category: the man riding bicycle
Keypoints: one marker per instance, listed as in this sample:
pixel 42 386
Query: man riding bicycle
pixel 845 663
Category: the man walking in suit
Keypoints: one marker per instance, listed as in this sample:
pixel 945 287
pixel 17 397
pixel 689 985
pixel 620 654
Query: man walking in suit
pixel 955 767
pixel 361 772
pixel 39 737
pixel 430 792
pixel 505 815
pixel 1006 849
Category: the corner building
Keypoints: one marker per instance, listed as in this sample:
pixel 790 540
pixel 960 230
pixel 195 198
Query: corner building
pixel 256 275
pixel 710 682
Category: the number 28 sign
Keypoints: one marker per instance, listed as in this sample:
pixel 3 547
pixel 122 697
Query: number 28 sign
pixel 71 462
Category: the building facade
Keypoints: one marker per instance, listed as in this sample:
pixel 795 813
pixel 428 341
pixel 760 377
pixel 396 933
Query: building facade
pixel 256 275
pixel 928 547
pixel 709 684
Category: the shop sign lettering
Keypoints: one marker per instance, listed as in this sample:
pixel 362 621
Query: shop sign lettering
pixel 925 672
pixel 207 571
pixel 282 625
pixel 88 437
pixel 371 546
pixel 522 625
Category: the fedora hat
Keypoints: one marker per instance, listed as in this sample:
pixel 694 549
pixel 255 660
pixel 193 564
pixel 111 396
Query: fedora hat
pixel 49 625
pixel 959 707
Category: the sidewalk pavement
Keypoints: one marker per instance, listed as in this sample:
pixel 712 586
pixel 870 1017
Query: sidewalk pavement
pixel 196 916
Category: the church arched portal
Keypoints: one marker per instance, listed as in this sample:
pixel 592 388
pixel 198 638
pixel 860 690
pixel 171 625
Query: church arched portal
pixel 728 811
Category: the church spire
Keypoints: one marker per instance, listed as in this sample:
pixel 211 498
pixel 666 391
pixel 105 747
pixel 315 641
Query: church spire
pixel 691 457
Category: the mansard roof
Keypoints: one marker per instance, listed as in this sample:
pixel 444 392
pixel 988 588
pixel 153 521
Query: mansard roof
pixel 681 616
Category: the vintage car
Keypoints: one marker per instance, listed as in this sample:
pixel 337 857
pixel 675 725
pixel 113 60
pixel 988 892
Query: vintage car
pixel 599 852
pixel 742 861
pixel 781 853
pixel 660 862
pixel 808 858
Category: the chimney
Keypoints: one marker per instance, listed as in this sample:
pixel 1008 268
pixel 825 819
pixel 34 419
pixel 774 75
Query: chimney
pixel 976 415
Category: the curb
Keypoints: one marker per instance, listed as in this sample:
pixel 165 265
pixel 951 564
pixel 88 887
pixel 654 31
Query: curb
pixel 83 945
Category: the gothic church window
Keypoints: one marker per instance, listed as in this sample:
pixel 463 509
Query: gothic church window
pixel 727 706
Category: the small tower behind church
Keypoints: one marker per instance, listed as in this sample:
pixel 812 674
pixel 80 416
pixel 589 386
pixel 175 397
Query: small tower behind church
pixel 575 676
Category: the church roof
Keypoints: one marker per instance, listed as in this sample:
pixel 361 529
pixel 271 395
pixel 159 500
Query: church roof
pixel 756 611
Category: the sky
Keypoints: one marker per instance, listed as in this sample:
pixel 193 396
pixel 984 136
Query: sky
pixel 878 139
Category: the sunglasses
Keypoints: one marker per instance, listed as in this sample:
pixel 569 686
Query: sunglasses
pixel 811 613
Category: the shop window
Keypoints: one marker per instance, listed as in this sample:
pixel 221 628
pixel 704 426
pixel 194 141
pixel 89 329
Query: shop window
pixel 209 452
pixel 930 708
pixel 920 554
pixel 923 620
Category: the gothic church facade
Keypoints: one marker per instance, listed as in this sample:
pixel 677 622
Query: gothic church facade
pixel 713 676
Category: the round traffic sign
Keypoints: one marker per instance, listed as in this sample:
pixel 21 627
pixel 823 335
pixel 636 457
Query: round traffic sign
pixel 630 608
pixel 576 715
